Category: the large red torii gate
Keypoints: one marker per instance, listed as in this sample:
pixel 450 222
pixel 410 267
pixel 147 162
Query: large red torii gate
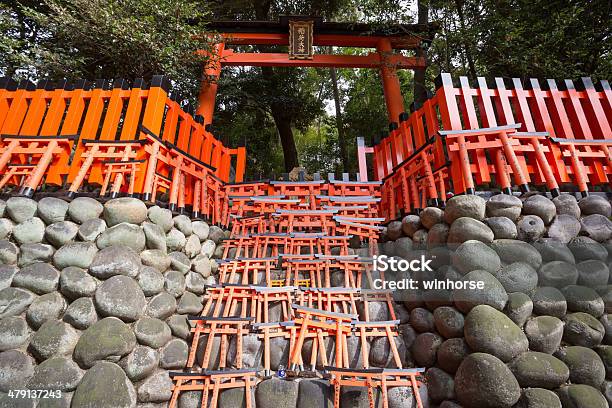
pixel 385 41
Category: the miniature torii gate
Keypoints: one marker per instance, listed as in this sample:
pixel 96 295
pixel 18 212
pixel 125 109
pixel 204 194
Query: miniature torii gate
pixel 301 34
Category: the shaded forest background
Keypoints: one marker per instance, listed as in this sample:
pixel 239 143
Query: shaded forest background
pixel 307 117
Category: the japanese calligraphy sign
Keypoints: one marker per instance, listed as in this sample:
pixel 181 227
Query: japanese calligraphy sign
pixel 300 39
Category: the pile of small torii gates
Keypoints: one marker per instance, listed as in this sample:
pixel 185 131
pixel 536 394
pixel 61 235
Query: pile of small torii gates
pixel 290 240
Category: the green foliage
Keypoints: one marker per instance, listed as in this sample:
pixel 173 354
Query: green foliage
pixel 524 38
pixel 109 39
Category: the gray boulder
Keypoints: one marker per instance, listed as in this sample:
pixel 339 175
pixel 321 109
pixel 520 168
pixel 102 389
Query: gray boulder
pixel 82 209
pixel 465 229
pixel 174 354
pixel 585 248
pixel 179 326
pixel 108 339
pixel 156 258
pixel 200 229
pixel 156 388
pixel 6 228
pixel 538 398
pixel 127 235
pixel 29 231
pixel 16 368
pixel 593 273
pixel 564 228
pixel 440 385
pixel 124 209
pixel 490 331
pixel 183 224
pixel 583 299
pixel 9 253
pixel 14 301
pixel 518 308
pixel 503 205
pixel 579 395
pixel 552 250
pixel 473 255
pixel 31 253
pixel 46 307
pixel 421 320
pixel 174 283
pixel 155 236
pixel 449 322
pixel 180 262
pixel 140 363
pixel 192 246
pixel 544 333
pixel 175 240
pixel 540 206
pixel 314 393
pixel 539 370
pixel 14 333
pixel 7 272
pixel 57 373
pixel 592 204
pixel 75 283
pixel 431 216
pixel 549 301
pixel 61 232
pixel 152 332
pixel 91 229
pixel 530 228
pixel 566 204
pixel 517 277
pixel 557 274
pixel 492 294
pixel 275 392
pixel 510 250
pixel 411 224
pixel 484 381
pixel 596 227
pixel 425 349
pixel 20 208
pixel 471 206
pixel 189 304
pixel 53 338
pixel 451 353
pixel 40 278
pixel 394 230
pixel 584 364
pixel 115 260
pixel 52 209
pixel 161 217
pixel 151 281
pixel 79 254
pixel 502 227
pixel 582 329
pixel 120 296
pixel 438 235
pixel 161 306
pixel 81 313
pixel 104 385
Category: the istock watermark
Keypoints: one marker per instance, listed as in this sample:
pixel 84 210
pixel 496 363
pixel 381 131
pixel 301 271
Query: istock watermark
pixel 403 267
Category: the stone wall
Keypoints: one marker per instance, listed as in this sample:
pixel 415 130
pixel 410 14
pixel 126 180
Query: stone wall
pixel 540 333
pixel 94 299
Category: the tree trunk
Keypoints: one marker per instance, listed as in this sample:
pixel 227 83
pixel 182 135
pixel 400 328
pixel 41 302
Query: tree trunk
pixel 339 125
pixel 468 54
pixel 420 91
pixel 283 124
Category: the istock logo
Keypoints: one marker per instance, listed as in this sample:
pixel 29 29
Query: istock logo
pixel 383 263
